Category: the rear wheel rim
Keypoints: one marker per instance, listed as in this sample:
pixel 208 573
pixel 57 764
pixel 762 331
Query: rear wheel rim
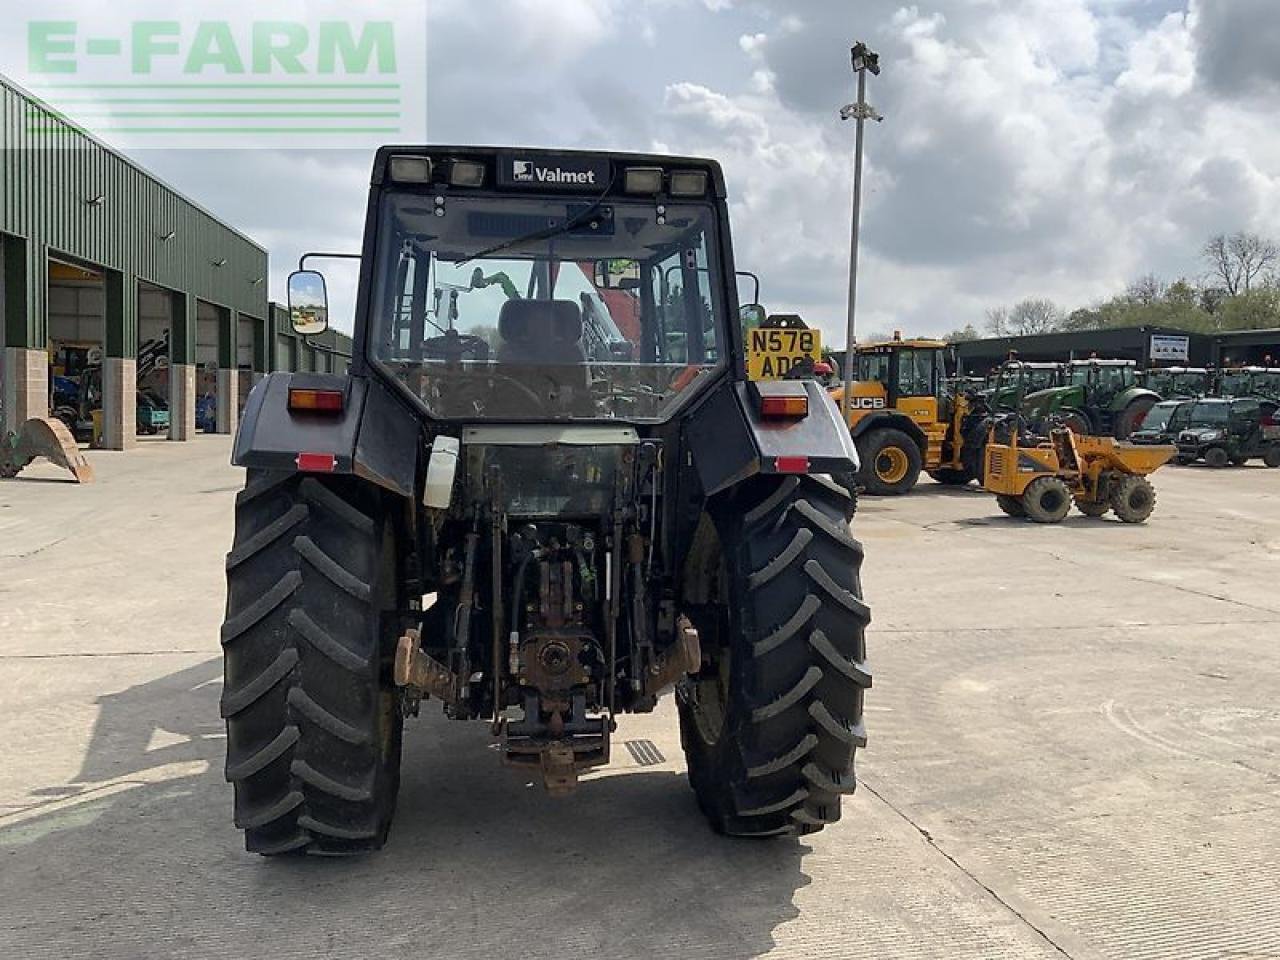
pixel 1051 500
pixel 709 700
pixel 892 464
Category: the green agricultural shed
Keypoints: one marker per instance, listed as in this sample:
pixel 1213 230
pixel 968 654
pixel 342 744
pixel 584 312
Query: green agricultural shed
pixel 100 264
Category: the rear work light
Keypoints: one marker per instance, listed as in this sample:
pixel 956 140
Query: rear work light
pixel 643 180
pixel 315 401
pixel 688 183
pixel 790 407
pixel 410 169
pixel 466 173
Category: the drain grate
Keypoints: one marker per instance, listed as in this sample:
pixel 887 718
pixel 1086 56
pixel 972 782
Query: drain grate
pixel 644 752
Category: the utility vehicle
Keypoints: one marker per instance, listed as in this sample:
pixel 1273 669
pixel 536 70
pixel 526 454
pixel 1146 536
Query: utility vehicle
pixel 1226 432
pixel 539 518
pixel 1163 424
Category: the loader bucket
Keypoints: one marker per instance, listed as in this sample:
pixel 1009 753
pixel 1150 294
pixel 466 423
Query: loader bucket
pixel 48 438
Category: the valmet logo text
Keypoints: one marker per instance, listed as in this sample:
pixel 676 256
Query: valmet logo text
pixel 526 171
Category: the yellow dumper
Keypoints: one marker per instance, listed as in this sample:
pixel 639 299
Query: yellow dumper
pixel 1040 479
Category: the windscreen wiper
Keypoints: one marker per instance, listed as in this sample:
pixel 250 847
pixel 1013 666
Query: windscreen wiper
pixel 546 233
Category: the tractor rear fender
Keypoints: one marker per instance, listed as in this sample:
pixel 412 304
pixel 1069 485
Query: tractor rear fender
pixel 373 436
pixel 1122 400
pixel 730 440
pixel 892 421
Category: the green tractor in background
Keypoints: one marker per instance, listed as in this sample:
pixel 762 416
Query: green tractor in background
pixel 1179 383
pixel 1261 382
pixel 1017 379
pixel 1097 398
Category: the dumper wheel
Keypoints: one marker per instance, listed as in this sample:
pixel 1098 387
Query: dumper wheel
pixel 1047 500
pixel 950 477
pixel 1217 457
pixel 1091 508
pixel 1133 498
pixel 1012 506
pixel 891 462
pixel 313 725
pixel 1272 456
pixel 771 724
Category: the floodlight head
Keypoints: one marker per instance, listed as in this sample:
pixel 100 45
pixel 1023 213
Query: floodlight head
pixel 864 59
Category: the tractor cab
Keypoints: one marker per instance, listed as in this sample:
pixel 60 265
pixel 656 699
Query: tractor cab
pixel 1102 379
pixel 1263 382
pixel 901 375
pixel 1016 379
pixel 1180 383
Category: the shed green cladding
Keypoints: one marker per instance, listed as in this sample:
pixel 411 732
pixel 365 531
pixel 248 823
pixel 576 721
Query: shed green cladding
pixel 52 175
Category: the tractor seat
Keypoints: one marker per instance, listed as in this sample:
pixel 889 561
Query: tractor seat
pixel 540 332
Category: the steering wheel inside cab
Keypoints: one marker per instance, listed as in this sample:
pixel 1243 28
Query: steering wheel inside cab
pixel 454 347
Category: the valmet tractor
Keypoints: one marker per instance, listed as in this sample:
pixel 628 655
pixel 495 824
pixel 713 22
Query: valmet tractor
pixel 538 535
pixel 1098 398
pixel 903 421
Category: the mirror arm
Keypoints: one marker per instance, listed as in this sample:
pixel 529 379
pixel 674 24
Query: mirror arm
pixel 302 260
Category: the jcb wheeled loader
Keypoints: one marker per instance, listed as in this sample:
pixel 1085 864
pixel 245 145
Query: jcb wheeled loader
pixel 904 421
pixel 485 514
pixel 1039 478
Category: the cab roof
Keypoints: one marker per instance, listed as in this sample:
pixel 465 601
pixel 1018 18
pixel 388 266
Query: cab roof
pixel 498 163
pixel 917 343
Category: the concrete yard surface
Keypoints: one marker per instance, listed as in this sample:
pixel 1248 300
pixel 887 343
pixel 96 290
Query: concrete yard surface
pixel 1074 752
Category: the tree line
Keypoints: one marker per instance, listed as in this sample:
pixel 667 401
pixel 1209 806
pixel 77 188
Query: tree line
pixel 1240 290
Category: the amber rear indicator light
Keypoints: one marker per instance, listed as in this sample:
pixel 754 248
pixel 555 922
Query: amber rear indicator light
pixel 784 407
pixel 315 401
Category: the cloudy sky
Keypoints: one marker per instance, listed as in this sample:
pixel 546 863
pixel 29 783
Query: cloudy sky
pixel 1055 148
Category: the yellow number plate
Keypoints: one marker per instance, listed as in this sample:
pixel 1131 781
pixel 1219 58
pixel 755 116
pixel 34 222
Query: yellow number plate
pixel 771 353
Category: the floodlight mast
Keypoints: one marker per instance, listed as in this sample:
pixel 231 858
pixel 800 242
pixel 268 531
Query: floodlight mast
pixel 864 61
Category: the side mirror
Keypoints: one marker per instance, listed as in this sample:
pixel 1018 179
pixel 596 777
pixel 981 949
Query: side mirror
pixel 617 275
pixel 752 315
pixel 308 303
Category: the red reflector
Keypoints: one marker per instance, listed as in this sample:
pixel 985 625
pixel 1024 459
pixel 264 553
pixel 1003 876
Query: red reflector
pixel 778 407
pixel 323 401
pixel 791 464
pixel 317 462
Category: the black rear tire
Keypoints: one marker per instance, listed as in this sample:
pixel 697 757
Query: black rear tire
pixel 313 722
pixel 1047 500
pixel 1271 457
pixel 771 725
pixel 1011 506
pixel 891 462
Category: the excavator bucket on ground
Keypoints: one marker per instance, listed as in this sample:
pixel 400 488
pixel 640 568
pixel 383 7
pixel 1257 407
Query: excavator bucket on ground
pixel 48 438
